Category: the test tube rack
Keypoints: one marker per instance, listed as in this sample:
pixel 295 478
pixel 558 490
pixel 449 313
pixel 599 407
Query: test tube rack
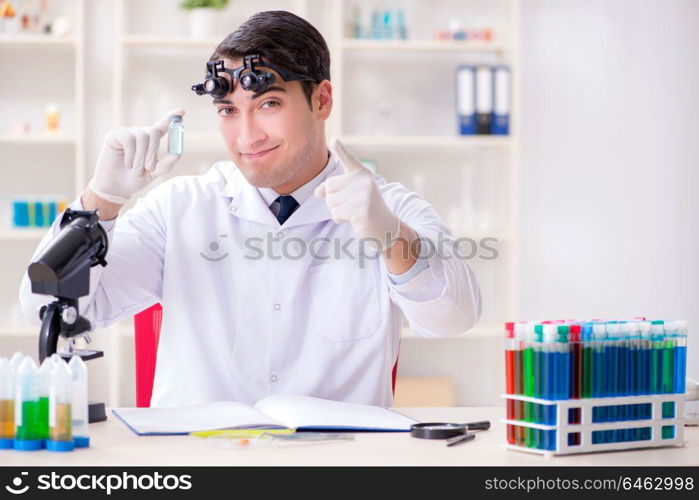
pixel 668 431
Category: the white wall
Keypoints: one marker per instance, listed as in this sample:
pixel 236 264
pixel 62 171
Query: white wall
pixel 610 158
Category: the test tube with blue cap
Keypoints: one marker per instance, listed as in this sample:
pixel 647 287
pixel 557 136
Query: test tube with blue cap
pixel 60 403
pixel 27 436
pixel 599 334
pixel 79 408
pixel 549 376
pixel 45 371
pixel 7 402
pixel 680 361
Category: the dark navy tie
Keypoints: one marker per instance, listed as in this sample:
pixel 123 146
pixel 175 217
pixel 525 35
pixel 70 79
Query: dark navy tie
pixel 287 205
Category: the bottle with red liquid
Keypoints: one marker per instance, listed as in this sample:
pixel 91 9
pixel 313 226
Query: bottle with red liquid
pixel 511 347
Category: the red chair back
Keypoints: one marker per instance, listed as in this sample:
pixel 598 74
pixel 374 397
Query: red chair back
pixel 147 334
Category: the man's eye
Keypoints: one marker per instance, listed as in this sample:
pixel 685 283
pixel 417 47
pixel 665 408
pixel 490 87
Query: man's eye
pixel 225 111
pixel 270 104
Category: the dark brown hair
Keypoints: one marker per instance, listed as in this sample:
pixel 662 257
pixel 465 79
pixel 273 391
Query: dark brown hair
pixel 283 39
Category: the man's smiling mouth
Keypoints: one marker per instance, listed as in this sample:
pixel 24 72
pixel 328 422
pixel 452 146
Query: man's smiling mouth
pixel 259 154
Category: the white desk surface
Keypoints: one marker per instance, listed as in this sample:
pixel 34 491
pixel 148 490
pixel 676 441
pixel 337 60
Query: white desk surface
pixel 112 443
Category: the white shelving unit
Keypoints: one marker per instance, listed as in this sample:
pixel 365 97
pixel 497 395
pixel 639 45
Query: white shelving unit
pixel 422 45
pixel 38 40
pixel 65 142
pixel 76 43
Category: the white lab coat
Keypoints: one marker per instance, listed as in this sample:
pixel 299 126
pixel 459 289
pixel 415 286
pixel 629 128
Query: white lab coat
pixel 238 328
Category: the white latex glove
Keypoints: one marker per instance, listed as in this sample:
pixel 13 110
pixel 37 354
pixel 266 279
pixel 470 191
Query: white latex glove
pixel 129 161
pixel 354 197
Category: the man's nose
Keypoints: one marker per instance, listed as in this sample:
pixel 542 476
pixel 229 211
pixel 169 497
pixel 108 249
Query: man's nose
pixel 250 134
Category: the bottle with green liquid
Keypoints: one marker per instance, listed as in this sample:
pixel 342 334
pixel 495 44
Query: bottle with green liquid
pixel 44 383
pixel 27 430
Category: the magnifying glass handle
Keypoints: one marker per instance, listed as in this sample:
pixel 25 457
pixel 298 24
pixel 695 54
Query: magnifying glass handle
pixel 460 439
pixel 483 425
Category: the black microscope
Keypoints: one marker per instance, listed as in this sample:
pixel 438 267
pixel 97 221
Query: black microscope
pixel 63 270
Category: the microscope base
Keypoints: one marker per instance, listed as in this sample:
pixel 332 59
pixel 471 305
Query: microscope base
pixel 96 413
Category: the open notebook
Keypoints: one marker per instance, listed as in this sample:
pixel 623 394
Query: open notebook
pixel 273 412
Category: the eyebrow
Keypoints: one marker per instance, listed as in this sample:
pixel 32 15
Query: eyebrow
pixel 255 96
pixel 269 89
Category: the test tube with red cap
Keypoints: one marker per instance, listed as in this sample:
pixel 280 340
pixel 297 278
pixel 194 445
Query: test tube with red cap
pixel 510 348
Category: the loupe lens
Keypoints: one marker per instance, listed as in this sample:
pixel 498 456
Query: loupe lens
pixel 247 81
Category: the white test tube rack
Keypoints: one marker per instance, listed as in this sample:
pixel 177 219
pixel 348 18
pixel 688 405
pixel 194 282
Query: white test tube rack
pixel 586 427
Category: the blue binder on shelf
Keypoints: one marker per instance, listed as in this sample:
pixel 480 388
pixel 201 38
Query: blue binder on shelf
pixel 501 107
pixel 466 99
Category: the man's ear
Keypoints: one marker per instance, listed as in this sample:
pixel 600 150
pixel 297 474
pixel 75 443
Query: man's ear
pixel 323 99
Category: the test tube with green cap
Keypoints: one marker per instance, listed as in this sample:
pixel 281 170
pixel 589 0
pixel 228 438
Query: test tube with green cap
pixel 520 336
pixel 644 357
pixel 175 135
pixel 668 357
pixel 27 433
pixel 7 402
pixel 60 402
pixel 656 356
pixel 79 409
pixel 528 381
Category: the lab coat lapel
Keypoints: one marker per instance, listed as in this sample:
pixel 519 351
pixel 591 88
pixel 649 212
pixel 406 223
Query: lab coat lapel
pixel 247 202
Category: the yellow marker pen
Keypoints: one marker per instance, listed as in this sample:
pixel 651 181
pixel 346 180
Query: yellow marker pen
pixel 240 433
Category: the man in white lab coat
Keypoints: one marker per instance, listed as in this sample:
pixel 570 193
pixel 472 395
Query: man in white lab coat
pixel 285 270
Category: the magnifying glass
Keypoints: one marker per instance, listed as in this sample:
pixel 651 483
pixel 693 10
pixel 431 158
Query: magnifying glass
pixel 452 432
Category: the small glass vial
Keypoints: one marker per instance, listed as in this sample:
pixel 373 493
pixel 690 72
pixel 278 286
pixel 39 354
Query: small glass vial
pixel 175 135
pixel 53 123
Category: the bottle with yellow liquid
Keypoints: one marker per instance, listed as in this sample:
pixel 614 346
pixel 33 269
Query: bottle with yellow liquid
pixel 79 411
pixel 60 402
pixel 7 402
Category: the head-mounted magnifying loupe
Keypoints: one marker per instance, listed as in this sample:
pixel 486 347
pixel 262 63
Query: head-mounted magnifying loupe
pixel 250 77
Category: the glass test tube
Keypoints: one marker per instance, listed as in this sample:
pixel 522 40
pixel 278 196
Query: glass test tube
pixel 7 405
pixel 79 409
pixel 60 402
pixel 27 431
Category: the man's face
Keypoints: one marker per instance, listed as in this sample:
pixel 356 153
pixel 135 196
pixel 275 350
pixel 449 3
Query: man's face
pixel 269 136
